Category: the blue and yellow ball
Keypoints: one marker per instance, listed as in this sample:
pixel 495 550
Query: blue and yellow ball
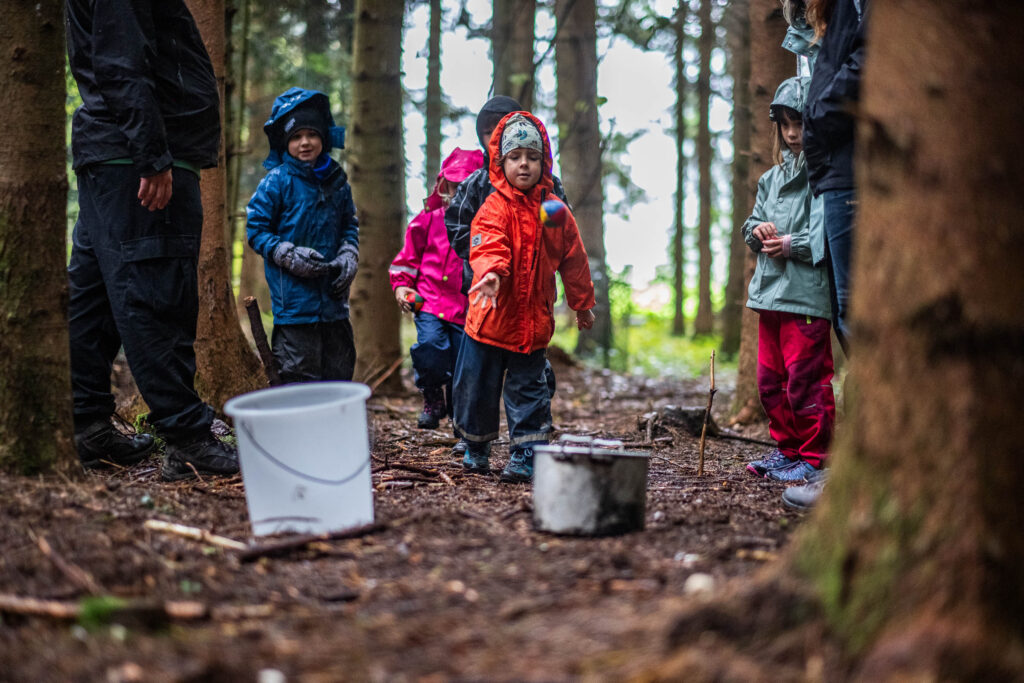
pixel 553 213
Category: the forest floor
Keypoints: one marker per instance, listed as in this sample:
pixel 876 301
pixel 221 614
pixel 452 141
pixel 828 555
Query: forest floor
pixel 456 585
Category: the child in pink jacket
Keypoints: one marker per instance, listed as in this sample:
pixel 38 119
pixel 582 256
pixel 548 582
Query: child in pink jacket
pixel 429 269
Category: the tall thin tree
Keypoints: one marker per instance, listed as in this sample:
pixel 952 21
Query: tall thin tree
pixel 433 104
pixel 739 66
pixel 579 150
pixel 35 385
pixel 225 363
pixel 376 164
pixel 512 40
pixel 704 322
pixel 679 114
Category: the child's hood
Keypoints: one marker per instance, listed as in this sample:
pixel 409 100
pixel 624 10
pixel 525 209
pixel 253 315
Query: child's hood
pixel 287 102
pixel 495 171
pixel 455 168
pixel 792 93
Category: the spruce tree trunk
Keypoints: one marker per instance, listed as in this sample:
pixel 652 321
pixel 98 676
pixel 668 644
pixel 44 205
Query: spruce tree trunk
pixel 35 386
pixel 579 152
pixel 679 228
pixel 433 104
pixel 377 166
pixel 742 199
pixel 251 281
pixel 769 66
pixel 512 49
pixel 704 322
pixel 225 363
pixel 917 549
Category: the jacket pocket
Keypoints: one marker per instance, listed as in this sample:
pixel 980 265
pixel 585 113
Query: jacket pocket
pixel 162 275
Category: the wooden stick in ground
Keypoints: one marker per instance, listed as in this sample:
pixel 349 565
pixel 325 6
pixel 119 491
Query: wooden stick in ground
pixel 259 335
pixel 195 534
pixel 78 576
pixel 280 547
pixel 387 373
pixel 707 416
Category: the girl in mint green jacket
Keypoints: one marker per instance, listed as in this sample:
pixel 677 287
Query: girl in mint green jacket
pixel 790 293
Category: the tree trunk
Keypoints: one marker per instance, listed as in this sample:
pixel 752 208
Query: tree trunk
pixel 235 96
pixel 704 322
pixel 251 281
pixel 225 363
pixel 512 49
pixel 579 151
pixel 377 175
pixel 678 253
pixel 769 66
pixel 35 386
pixel 917 550
pixel 433 105
pixel 742 199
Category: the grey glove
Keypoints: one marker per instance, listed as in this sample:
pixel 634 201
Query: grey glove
pixel 343 270
pixel 300 261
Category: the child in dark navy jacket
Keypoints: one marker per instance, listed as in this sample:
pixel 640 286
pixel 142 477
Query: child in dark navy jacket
pixel 301 219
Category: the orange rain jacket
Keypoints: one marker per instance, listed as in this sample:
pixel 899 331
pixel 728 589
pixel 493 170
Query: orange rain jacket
pixel 507 238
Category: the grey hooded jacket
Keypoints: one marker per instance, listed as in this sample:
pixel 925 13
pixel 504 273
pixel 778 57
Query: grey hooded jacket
pixel 797 284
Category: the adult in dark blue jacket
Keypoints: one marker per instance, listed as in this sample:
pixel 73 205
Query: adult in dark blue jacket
pixel 301 219
pixel 148 122
pixel 829 128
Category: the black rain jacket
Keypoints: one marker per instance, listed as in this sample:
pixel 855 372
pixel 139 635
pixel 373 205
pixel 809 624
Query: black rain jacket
pixel 148 89
pixel 831 98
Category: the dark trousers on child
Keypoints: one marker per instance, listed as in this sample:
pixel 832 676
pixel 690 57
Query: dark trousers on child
pixel 794 379
pixel 435 351
pixel 485 374
pixel 314 352
pixel 133 283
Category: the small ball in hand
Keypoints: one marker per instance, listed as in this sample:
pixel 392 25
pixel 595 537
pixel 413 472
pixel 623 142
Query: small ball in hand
pixel 553 213
pixel 415 301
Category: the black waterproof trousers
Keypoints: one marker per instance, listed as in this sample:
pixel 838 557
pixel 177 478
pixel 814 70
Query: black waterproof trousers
pixel 133 282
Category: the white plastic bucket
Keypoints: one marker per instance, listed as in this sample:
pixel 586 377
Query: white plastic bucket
pixel 589 487
pixel 305 456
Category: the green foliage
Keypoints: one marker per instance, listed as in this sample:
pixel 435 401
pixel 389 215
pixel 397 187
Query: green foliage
pixel 98 611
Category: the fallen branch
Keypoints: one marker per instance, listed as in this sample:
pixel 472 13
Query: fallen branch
pixel 195 534
pixel 78 576
pixel 259 335
pixel 280 547
pixel 143 611
pixel 410 477
pixel 707 416
pixel 387 373
pixel 671 462
pixel 407 468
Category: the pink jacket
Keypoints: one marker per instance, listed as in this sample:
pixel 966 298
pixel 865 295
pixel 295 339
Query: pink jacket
pixel 427 263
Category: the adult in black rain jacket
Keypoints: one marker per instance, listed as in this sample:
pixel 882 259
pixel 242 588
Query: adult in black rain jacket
pixel 149 121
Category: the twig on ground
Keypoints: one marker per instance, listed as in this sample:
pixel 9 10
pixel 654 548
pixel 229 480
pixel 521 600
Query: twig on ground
pixel 671 462
pixel 707 416
pixel 656 440
pixel 387 373
pixel 61 609
pixel 195 534
pixel 78 576
pixel 280 547
pixel 446 479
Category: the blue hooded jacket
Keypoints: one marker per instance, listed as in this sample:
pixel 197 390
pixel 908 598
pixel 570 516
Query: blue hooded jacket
pixel 295 204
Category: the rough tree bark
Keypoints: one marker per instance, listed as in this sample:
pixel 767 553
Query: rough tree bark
pixel 705 320
pixel 433 97
pixel 377 175
pixel 35 384
pixel 225 363
pixel 742 199
pixel 679 227
pixel 769 66
pixel 579 151
pixel 512 49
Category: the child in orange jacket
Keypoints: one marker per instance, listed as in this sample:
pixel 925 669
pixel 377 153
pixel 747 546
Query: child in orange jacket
pixel 510 320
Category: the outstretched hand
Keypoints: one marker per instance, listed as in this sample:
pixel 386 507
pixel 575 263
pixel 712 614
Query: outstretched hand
pixel 487 290
pixel 155 190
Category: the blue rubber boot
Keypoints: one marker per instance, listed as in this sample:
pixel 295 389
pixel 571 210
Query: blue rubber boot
pixel 519 469
pixel 477 458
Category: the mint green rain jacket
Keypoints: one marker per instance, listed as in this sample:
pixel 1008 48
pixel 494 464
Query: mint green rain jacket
pixel 798 284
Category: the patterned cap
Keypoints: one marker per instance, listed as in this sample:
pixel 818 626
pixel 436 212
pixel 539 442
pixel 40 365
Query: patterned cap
pixel 520 132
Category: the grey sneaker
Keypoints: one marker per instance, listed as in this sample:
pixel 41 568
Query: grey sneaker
pixel 100 444
pixel 804 497
pixel 207 454
pixel 772 461
pixel 798 470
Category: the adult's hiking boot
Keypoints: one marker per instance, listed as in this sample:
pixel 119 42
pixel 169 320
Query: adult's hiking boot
pixel 519 469
pixel 102 445
pixel 207 454
pixel 434 408
pixel 798 470
pixel 804 497
pixel 477 458
pixel 772 461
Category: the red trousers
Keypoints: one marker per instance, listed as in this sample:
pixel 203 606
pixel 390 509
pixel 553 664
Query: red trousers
pixel 794 379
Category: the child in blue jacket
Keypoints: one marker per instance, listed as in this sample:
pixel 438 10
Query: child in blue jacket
pixel 301 219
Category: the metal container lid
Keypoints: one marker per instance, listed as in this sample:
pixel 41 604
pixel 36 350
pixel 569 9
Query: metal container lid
pixel 571 447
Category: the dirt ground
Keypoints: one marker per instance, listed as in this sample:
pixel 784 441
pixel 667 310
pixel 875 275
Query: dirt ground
pixel 457 585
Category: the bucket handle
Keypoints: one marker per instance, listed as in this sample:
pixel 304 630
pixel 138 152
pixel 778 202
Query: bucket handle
pixel 291 470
